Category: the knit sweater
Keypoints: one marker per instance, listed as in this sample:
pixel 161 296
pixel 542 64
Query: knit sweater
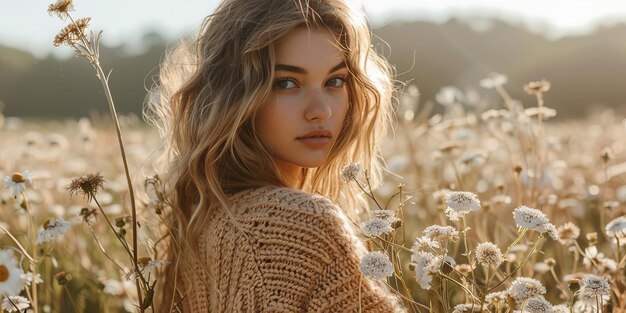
pixel 300 255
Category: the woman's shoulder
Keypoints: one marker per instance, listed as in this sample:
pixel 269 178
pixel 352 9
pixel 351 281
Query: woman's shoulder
pixel 282 198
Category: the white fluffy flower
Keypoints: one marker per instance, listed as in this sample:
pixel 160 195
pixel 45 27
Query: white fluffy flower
pixel 11 282
pixel 488 254
pixel 351 171
pixel 523 288
pixel 617 229
pixel 534 219
pixel 375 227
pixel 17 182
pixel 493 80
pixel 496 297
pixel 468 307
pixel 460 203
pixel 376 265
pixel 424 244
pixel 592 286
pixel 52 228
pixel 15 304
pixel 537 305
pixel 425 263
pixel 568 233
pixel 442 234
pixel 561 308
pixel 28 278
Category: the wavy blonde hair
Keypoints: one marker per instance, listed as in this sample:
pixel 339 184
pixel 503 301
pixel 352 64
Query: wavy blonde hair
pixel 211 88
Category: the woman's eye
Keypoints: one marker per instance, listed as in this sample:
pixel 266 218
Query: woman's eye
pixel 336 82
pixel 285 84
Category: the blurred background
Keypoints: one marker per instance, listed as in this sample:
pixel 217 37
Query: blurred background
pixel 580 46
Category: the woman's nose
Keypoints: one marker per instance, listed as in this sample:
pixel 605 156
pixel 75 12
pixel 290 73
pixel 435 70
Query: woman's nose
pixel 319 108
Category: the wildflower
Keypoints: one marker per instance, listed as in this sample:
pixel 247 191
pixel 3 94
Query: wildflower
pixel 145 265
pixel 61 8
pixel 545 112
pixel 375 227
pixel 425 263
pixel 568 233
pixel 493 80
pixel 29 277
pixel 488 254
pixel 534 219
pixel 592 286
pixel 537 305
pixel 498 297
pixel 463 269
pixel 442 234
pixel 537 87
pixel 561 308
pixel 523 288
pixel 11 282
pixel 424 244
pixel 468 307
pixel 616 228
pixel 550 229
pixel 592 238
pixel 15 304
pixel 460 203
pixel 376 265
pixel 72 33
pixel 351 172
pixel 89 215
pixel 386 214
pixel 52 228
pixel 87 185
pixel 16 182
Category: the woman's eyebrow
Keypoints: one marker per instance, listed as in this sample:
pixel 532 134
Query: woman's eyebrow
pixel 299 70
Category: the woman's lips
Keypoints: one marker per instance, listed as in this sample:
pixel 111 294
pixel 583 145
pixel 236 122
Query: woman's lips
pixel 315 142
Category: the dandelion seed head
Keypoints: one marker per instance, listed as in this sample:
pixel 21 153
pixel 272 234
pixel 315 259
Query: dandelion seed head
pixel 523 288
pixel 568 233
pixel 488 254
pixel 376 265
pixel 376 226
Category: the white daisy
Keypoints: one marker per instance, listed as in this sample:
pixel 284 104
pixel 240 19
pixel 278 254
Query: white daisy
pixel 11 282
pixel 15 304
pixel 52 228
pixel 376 265
pixel 17 182
pixel 351 171
pixel 375 227
pixel 460 203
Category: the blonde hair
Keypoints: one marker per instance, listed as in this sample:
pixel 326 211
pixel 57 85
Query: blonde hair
pixel 209 92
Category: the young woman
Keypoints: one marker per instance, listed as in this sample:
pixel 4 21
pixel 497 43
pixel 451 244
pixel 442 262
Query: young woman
pixel 260 113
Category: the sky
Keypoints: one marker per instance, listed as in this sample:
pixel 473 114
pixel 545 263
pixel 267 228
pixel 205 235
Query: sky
pixel 27 25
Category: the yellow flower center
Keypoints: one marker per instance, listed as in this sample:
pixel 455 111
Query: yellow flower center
pixel 143 261
pixel 18 178
pixel 4 273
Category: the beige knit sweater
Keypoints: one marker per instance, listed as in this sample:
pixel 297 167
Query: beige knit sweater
pixel 302 256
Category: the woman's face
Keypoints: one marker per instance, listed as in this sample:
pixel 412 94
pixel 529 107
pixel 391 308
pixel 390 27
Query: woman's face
pixel 302 118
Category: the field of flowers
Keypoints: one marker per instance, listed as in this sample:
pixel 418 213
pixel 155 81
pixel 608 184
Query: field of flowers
pixel 486 205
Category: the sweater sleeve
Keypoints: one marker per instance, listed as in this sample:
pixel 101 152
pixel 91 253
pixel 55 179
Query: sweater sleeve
pixel 342 287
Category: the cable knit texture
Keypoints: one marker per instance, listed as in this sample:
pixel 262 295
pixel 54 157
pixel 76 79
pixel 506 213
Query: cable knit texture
pixel 301 256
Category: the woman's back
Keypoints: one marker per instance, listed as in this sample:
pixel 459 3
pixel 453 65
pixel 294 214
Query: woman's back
pixel 301 256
